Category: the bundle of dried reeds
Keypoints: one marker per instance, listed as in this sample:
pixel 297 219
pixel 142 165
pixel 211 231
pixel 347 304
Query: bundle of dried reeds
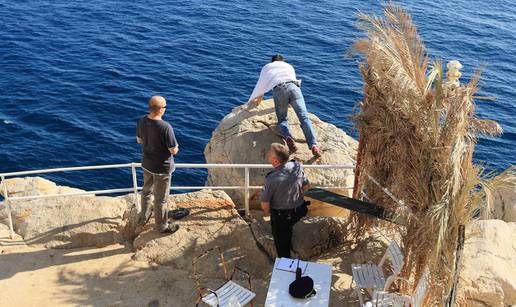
pixel 417 136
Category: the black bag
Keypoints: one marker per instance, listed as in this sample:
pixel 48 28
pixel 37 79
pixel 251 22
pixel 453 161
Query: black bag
pixel 302 287
pixel 301 211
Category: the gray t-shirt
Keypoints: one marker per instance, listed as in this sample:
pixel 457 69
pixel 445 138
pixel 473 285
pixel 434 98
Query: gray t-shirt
pixel 283 187
pixel 157 137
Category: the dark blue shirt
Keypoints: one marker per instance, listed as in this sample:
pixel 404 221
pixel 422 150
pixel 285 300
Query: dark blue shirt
pixel 157 137
pixel 283 187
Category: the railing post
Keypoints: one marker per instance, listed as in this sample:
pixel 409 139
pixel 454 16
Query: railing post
pixel 8 207
pixel 135 187
pixel 246 191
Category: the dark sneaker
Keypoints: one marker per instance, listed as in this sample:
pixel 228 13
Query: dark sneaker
pixel 316 151
pixel 178 214
pixel 292 148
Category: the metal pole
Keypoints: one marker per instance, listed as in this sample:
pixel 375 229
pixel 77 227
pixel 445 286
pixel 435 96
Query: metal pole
pixel 458 255
pixel 246 191
pixel 8 207
pixel 135 187
pixel 356 181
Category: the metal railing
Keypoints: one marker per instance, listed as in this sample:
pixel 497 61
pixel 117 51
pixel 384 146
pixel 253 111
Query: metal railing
pixel 246 187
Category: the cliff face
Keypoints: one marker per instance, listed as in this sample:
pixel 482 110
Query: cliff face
pixel 73 241
pixel 94 221
pixel 244 136
pixel 488 275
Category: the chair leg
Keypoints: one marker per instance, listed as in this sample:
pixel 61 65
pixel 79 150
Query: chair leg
pixel 360 298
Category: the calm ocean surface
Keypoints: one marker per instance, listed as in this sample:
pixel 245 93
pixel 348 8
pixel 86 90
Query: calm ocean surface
pixel 76 75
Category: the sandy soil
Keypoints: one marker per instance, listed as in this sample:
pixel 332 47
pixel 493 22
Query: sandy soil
pixel 107 276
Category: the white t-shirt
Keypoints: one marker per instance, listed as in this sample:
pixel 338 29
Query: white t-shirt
pixel 271 75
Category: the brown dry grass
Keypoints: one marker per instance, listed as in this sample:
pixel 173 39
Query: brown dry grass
pixel 418 136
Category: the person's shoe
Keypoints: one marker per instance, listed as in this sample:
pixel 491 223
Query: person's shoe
pixel 292 148
pixel 170 228
pixel 178 213
pixel 316 151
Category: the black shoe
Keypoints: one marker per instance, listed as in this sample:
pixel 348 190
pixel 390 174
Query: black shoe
pixel 178 214
pixel 171 228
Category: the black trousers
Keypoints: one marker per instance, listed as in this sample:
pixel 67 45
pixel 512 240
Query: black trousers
pixel 282 223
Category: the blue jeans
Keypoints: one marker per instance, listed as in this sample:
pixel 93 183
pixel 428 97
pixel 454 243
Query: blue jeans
pixel 290 94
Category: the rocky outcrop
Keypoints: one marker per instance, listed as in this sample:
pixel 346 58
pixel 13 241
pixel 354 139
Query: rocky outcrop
pixel 82 221
pixel 244 136
pixel 213 222
pixel 31 186
pixel 64 222
pixel 69 222
pixel 312 236
pixel 505 204
pixel 488 275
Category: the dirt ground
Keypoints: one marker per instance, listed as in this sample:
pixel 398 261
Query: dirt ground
pixel 107 276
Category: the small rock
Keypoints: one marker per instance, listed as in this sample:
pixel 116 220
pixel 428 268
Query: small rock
pixel 312 236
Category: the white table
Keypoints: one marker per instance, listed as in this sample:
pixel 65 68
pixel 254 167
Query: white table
pixel 278 296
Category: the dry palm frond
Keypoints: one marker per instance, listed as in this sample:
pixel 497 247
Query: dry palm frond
pixel 491 188
pixel 417 138
pixel 485 126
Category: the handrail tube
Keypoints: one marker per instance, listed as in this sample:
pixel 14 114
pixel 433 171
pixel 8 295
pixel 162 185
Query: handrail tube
pixel 208 187
pixel 8 206
pixel 135 187
pixel 177 165
pixel 262 166
pixel 72 194
pixel 246 190
pixel 256 187
pixel 112 191
pixel 66 169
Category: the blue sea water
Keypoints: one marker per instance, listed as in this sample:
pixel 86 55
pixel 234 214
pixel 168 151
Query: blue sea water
pixel 76 75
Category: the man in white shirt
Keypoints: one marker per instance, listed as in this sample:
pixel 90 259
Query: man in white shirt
pixel 280 77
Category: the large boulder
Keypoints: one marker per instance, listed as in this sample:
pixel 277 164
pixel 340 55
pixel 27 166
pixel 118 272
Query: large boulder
pixel 244 136
pixel 213 222
pixel 70 222
pixel 311 237
pixel 488 275
pixel 31 186
pixel 65 221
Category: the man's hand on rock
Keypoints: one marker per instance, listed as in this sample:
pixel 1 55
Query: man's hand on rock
pixel 257 100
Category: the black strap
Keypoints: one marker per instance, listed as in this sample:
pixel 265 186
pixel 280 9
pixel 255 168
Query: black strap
pixel 363 207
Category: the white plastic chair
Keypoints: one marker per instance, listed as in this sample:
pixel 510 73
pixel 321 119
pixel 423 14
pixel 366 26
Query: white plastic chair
pixel 222 296
pixel 387 299
pixel 371 277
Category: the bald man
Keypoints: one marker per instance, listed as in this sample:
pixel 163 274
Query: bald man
pixel 159 145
